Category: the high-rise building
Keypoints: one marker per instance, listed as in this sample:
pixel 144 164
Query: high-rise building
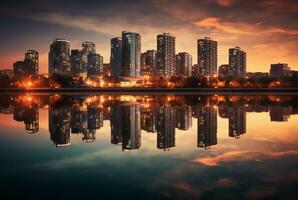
pixel 116 56
pixel 95 64
pixel 31 119
pixel 279 113
pixel 165 127
pixel 59 126
pixel 183 64
pixel 28 67
pixel 223 71
pixel 59 58
pixel 207 127
pixel 88 47
pixel 78 63
pixel 166 65
pixel 18 69
pixel 116 124
pixel 279 70
pixel 131 54
pixel 148 62
pixel 31 62
pixel 207 56
pixel 237 121
pixel 237 62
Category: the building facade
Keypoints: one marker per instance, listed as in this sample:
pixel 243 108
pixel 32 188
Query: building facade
pixel 183 64
pixel 148 62
pixel 279 70
pixel 131 54
pixel 166 65
pixel 207 56
pixel 59 58
pixel 116 56
pixel 237 62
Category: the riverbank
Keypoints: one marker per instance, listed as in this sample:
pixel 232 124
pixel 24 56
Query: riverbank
pixel 155 90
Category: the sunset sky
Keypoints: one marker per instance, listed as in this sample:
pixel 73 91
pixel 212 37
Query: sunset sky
pixel 266 29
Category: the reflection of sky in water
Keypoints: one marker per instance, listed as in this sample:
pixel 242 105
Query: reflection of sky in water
pixel 262 163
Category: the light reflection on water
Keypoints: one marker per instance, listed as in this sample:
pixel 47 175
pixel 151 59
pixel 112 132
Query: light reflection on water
pixel 149 147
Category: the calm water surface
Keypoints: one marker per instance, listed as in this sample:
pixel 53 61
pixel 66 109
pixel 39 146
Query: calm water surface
pixel 148 147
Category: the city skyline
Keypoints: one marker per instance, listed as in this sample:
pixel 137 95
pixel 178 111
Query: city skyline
pixel 230 26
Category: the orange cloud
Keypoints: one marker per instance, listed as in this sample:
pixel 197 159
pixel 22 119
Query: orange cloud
pixel 241 155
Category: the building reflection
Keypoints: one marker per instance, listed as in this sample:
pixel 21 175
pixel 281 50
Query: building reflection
pixel 59 126
pixel 207 126
pixel 166 127
pixel 129 116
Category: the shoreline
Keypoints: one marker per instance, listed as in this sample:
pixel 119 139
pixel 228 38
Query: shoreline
pixel 293 91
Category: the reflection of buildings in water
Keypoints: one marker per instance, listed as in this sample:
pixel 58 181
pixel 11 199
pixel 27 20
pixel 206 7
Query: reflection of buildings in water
pixel 165 127
pixel 279 113
pixel 148 119
pixel 79 119
pixel 59 126
pixel 29 115
pixel 183 117
pixel 131 118
pixel 237 121
pixel 116 124
pixel 223 110
pixel 31 120
pixel 207 127
pixel 126 126
pixel 89 135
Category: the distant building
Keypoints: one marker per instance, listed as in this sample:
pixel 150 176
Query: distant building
pixel 59 58
pixel 88 48
pixel 223 71
pixel 28 67
pixel 183 64
pixel 148 119
pixel 207 56
pixel 31 63
pixel 6 72
pixel 79 120
pixel 116 57
pixel 279 70
pixel 195 70
pixel 95 64
pixel 166 65
pixel 131 54
pixel 78 63
pixel 148 62
pixel 237 62
pixel 257 74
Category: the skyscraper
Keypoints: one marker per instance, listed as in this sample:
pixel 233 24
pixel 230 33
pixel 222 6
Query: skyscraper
pixel 166 65
pixel 131 54
pixel 207 126
pixel 31 62
pixel 183 117
pixel 78 63
pixel 59 57
pixel 207 56
pixel 237 62
pixel 184 64
pixel 88 47
pixel 28 67
pixel 148 62
pixel 116 56
pixel 95 64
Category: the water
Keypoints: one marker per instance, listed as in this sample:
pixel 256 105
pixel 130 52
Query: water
pixel 148 147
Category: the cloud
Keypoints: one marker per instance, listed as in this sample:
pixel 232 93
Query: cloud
pixel 241 155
